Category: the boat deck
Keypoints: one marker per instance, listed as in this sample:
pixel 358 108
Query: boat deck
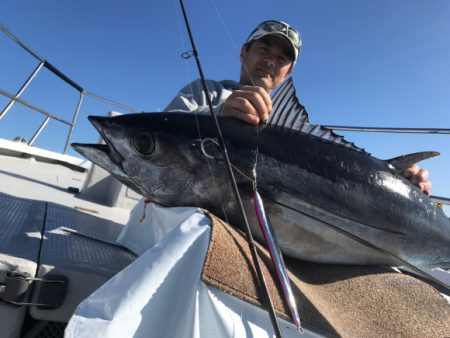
pixel 33 179
pixel 50 231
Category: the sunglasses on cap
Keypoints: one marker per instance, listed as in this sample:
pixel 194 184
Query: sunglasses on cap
pixel 273 26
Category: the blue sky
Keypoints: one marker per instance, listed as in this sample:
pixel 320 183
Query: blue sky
pixel 364 62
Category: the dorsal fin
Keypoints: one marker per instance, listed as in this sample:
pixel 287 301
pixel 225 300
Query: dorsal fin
pixel 288 112
pixel 286 109
pixel 406 161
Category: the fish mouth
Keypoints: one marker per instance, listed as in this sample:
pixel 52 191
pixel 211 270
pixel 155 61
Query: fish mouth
pixel 99 154
pixel 101 123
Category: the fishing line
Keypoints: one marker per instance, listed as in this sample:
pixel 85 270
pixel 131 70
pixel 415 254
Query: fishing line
pixel 189 76
pixel 236 49
pixel 186 55
pixel 225 27
pixel 261 278
pixel 264 222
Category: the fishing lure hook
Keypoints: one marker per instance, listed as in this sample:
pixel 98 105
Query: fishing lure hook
pixel 204 144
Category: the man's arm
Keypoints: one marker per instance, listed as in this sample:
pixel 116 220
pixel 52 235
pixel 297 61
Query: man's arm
pixel 192 97
pixel 250 104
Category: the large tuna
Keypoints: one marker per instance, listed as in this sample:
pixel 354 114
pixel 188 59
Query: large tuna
pixel 328 200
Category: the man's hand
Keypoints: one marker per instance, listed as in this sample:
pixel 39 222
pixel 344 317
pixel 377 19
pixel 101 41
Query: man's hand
pixel 418 177
pixel 250 104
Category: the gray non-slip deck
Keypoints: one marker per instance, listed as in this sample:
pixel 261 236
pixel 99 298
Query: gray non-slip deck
pixel 81 248
pixel 21 225
pixel 48 241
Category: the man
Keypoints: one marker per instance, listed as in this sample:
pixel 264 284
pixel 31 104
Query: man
pixel 267 58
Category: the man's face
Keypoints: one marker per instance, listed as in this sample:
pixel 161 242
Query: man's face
pixel 265 63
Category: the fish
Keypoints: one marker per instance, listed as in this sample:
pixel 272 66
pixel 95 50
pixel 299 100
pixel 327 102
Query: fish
pixel 328 200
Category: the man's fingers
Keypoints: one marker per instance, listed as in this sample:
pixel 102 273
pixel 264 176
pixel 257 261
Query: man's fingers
pixel 418 177
pixel 258 103
pixel 258 98
pixel 415 173
pixel 411 171
pixel 264 95
pixel 423 174
pixel 248 105
pixel 242 109
pixel 425 187
pixel 243 105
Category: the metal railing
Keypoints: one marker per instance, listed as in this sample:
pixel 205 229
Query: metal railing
pixel 392 130
pixel 45 64
pixel 441 200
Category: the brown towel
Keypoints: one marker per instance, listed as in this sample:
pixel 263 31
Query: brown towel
pixel 333 300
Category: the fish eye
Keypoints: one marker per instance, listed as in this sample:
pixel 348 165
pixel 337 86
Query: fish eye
pixel 144 143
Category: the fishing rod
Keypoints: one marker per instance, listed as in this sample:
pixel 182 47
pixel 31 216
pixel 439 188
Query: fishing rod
pixel 262 282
